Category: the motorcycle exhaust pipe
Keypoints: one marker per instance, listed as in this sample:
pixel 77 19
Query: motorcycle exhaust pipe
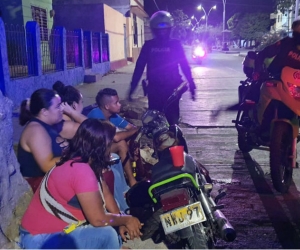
pixel 225 228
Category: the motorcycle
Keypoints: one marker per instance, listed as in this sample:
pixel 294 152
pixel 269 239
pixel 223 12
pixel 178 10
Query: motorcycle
pixel 176 205
pixel 199 53
pixel 272 124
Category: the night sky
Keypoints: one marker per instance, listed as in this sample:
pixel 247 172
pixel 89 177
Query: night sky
pixel 215 16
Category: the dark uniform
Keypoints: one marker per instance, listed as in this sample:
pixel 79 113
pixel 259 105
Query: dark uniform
pixel 286 54
pixel 162 59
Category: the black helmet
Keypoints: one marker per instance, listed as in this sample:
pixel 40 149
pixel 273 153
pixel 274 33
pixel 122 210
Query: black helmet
pixel 161 20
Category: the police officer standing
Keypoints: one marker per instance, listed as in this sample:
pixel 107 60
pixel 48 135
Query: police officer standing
pixel 163 56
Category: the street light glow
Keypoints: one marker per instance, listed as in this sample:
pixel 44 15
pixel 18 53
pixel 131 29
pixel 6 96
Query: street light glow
pixel 206 14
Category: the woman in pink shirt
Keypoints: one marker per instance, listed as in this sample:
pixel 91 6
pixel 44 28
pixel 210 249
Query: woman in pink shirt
pixel 74 190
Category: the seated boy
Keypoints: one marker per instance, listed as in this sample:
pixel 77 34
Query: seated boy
pixel 108 108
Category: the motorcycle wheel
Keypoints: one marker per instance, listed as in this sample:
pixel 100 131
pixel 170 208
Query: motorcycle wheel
pixel 280 153
pixel 244 141
pixel 197 241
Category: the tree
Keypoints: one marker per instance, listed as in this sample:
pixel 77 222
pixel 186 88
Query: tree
pixel 181 24
pixel 232 24
pixel 249 26
pixel 271 38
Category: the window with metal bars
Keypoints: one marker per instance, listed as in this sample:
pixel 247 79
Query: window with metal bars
pixel 40 16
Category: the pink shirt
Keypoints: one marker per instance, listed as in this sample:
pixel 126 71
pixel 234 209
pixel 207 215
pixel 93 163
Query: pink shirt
pixel 64 183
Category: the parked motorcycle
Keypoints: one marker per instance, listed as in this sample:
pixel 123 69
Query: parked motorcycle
pixel 272 123
pixel 176 205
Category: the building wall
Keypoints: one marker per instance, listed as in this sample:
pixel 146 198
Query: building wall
pixel 138 13
pixel 79 19
pixel 114 26
pixel 135 48
pixel 12 12
pixel 283 21
pixel 137 2
pixel 122 6
pixel 129 38
pixel 44 4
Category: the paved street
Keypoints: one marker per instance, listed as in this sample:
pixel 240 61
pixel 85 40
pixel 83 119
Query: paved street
pixel 256 210
pixel 262 217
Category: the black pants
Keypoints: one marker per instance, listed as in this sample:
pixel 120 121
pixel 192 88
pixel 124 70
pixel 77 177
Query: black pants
pixel 157 100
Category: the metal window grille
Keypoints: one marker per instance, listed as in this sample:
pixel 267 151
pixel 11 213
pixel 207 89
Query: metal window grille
pixel 52 57
pixel 40 16
pixel 105 47
pixel 73 49
pixel 96 47
pixel 87 51
pixel 19 51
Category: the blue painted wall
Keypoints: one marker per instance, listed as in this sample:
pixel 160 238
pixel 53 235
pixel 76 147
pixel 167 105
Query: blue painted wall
pixel 22 88
pixel 80 16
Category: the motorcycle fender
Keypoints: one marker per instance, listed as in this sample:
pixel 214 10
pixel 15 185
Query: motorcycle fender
pixel 266 95
pixel 294 124
pixel 185 233
pixel 278 92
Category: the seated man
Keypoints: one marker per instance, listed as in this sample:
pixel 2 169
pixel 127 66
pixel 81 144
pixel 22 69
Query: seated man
pixel 108 108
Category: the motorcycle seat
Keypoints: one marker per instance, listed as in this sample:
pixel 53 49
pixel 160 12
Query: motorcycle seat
pixel 164 168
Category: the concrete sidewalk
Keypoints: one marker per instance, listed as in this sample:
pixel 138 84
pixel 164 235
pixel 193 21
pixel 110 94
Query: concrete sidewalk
pixel 119 80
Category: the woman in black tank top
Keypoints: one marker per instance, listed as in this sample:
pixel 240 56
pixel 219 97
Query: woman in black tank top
pixel 42 142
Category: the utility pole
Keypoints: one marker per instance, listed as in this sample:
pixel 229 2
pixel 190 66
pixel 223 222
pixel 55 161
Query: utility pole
pixel 224 13
pixel 296 9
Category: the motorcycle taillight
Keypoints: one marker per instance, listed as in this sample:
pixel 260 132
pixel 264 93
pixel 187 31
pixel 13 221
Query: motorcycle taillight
pixel 174 199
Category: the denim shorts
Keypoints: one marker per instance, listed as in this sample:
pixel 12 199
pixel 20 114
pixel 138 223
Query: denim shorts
pixel 84 237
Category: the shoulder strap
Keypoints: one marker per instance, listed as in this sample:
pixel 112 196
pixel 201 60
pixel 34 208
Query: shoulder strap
pixel 51 205
pixel 54 207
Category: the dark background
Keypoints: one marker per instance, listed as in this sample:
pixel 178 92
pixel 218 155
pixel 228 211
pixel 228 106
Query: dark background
pixel 216 16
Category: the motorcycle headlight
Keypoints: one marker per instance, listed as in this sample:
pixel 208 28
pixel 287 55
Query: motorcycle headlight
pixel 199 51
pixel 294 90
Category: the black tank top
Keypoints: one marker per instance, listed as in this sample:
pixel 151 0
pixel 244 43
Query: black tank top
pixel 28 165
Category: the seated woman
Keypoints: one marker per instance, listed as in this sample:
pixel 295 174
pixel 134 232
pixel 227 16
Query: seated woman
pixel 81 198
pixel 42 139
pixel 113 176
pixel 69 95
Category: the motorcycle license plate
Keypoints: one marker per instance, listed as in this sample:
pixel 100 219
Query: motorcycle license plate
pixel 182 217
